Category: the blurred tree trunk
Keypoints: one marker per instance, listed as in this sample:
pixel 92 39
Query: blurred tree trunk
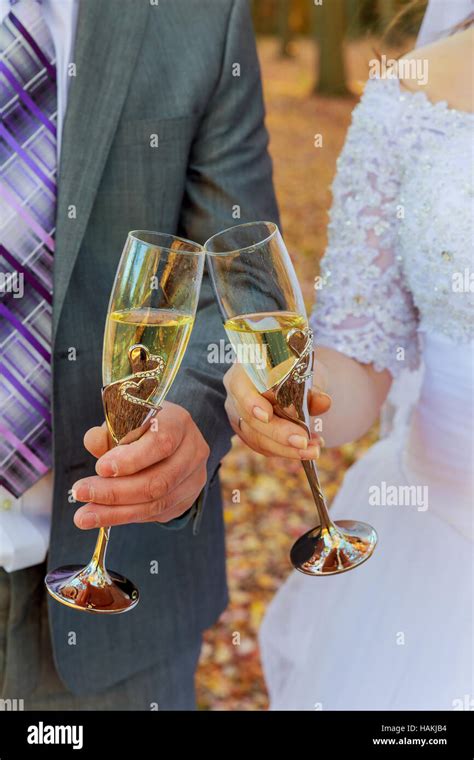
pixel 330 27
pixel 284 32
pixel 254 9
pixel 354 18
pixel 386 10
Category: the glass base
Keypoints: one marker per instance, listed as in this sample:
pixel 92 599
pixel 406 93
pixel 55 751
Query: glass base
pixel 322 551
pixel 91 589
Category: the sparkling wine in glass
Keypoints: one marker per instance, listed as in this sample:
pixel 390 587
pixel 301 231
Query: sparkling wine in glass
pixel 265 318
pixel 149 322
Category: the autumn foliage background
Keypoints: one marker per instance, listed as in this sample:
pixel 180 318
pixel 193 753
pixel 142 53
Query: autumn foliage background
pixel 267 501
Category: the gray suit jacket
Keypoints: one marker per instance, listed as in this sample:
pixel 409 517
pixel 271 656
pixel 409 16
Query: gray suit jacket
pixel 143 70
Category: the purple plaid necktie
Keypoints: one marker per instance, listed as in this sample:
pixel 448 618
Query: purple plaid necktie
pixel 28 104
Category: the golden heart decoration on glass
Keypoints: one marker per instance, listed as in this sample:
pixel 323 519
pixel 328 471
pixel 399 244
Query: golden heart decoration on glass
pixel 126 402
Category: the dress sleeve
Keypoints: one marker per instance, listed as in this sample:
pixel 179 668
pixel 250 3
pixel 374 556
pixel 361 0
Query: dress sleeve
pixel 363 306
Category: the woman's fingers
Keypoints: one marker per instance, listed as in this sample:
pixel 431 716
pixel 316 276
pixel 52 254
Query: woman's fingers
pixel 253 419
pixel 239 386
pixel 318 402
pixel 268 446
pixel 282 432
pixel 276 438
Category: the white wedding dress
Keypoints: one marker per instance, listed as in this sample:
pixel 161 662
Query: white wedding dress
pixel 397 291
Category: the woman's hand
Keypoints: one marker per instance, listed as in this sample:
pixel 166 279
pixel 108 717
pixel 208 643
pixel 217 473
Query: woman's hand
pixel 251 417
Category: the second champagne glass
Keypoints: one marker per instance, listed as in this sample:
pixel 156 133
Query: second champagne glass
pixel 265 318
pixel 149 322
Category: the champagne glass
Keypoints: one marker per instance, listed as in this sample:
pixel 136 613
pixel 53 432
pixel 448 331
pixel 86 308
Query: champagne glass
pixel 265 318
pixel 149 321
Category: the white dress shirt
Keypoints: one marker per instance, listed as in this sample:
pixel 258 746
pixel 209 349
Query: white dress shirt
pixel 25 522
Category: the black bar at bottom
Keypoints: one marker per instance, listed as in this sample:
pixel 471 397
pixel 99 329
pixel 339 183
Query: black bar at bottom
pixel 99 734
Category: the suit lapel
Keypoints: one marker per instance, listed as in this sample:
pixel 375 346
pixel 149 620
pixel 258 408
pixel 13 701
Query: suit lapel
pixel 108 38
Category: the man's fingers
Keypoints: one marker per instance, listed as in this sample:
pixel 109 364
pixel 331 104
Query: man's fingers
pixel 97 515
pixel 177 509
pixel 159 442
pixel 96 441
pixel 246 396
pixel 160 510
pixel 149 484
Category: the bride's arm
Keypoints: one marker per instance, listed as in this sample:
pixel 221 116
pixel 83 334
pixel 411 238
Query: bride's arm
pixel 357 392
pixel 364 322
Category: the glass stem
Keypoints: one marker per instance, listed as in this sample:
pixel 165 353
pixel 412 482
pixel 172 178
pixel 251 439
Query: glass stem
pixel 98 558
pixel 313 480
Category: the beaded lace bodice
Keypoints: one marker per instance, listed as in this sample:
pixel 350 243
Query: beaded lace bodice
pixel 400 254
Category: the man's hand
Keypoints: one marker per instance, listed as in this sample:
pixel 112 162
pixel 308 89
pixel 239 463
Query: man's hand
pixel 154 479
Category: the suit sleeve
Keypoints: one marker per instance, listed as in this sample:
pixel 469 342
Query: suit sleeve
pixel 229 181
